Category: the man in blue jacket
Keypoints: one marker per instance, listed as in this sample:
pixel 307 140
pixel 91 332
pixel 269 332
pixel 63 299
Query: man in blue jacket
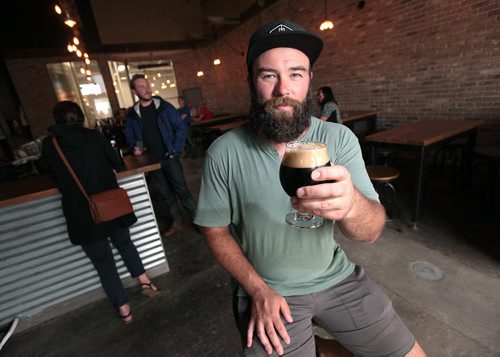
pixel 155 125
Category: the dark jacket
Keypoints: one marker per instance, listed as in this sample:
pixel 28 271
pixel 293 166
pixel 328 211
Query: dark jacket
pixel 169 122
pixel 93 159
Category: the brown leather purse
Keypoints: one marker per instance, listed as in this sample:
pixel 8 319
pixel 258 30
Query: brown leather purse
pixel 106 205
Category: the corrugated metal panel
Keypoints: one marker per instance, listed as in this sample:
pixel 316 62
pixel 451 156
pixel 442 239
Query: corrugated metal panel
pixel 39 267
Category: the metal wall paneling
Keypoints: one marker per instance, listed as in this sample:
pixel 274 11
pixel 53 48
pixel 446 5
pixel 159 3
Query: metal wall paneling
pixel 39 267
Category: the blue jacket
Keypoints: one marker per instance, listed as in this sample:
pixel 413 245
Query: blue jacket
pixel 169 122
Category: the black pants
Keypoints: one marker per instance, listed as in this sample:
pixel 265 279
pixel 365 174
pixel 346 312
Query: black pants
pixel 101 255
pixel 171 183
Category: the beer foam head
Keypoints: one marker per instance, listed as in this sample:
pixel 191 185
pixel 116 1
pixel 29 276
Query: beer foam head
pixel 305 154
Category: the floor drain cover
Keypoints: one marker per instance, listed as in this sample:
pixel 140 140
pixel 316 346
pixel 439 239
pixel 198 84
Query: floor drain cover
pixel 426 270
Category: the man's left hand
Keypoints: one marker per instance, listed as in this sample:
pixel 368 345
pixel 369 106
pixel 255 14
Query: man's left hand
pixel 333 201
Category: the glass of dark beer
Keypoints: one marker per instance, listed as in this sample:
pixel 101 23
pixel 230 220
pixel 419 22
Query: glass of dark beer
pixel 300 159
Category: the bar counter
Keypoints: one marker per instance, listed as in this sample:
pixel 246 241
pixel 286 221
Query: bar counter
pixel 42 274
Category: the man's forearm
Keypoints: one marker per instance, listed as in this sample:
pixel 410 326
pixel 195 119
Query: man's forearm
pixel 230 256
pixel 366 220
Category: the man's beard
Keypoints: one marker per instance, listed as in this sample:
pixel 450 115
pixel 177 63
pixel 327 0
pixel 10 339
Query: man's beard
pixel 280 126
pixel 145 97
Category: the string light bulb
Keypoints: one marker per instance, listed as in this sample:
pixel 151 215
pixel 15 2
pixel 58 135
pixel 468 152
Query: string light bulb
pixel 216 62
pixel 76 41
pixel 58 9
pixel 199 74
pixel 70 22
pixel 87 61
pixel 70 47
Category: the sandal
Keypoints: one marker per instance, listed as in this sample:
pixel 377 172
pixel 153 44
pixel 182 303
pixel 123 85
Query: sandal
pixel 126 319
pixel 149 289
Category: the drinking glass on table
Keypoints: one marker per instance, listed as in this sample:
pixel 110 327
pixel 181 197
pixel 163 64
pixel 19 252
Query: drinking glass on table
pixel 300 160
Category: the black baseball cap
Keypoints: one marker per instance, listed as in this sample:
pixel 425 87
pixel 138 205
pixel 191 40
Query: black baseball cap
pixel 283 33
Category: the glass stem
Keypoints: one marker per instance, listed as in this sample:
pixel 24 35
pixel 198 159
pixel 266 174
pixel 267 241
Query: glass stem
pixel 302 216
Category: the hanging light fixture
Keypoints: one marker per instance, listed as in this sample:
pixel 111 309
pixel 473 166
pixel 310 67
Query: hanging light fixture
pixel 217 59
pixel 327 24
pixel 65 8
pixel 200 74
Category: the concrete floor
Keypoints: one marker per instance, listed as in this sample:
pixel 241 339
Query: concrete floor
pixel 457 315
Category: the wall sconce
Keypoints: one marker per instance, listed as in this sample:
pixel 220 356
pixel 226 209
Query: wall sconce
pixel 327 24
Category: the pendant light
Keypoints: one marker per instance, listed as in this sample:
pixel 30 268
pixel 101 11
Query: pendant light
pixel 327 24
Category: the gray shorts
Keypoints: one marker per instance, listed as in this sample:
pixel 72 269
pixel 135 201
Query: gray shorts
pixel 356 312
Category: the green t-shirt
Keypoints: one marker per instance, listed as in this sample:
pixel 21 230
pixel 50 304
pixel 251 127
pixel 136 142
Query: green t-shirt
pixel 240 186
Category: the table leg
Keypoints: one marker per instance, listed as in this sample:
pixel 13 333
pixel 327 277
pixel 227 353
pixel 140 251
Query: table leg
pixel 467 165
pixel 418 186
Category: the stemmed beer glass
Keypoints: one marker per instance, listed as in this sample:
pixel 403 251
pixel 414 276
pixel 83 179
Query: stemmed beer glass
pixel 300 159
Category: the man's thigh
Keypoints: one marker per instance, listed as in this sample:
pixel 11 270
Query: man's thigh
pixel 361 317
pixel 300 330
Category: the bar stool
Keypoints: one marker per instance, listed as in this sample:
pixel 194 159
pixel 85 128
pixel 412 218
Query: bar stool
pixel 381 177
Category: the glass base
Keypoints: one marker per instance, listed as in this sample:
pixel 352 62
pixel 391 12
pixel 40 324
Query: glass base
pixel 303 220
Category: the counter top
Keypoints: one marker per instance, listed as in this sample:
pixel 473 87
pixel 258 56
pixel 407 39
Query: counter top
pixel 27 189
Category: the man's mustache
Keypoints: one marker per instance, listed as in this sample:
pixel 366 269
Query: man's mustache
pixel 277 101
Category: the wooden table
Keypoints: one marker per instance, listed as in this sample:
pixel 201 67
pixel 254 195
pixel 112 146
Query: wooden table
pixel 217 120
pixel 421 137
pixel 351 118
pixel 222 128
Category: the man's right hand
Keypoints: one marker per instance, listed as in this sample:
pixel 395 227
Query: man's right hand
pixel 266 322
pixel 137 151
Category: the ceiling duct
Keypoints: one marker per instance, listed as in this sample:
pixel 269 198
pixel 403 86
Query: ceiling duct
pixel 221 20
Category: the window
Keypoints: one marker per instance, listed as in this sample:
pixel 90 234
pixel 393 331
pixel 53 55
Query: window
pixel 70 82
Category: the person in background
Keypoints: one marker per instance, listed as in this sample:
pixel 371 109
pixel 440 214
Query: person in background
pixel 190 148
pixel 154 124
pixel 329 107
pixel 93 160
pixel 205 113
pixel 289 278
pixel 116 131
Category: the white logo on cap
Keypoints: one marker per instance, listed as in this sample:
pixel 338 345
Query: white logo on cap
pixel 280 28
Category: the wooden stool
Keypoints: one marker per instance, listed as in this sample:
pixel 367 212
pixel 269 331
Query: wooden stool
pixel 381 177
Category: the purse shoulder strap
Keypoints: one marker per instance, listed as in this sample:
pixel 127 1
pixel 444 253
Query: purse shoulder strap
pixel 70 169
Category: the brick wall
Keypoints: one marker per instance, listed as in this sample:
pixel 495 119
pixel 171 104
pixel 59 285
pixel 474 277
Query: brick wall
pixel 406 59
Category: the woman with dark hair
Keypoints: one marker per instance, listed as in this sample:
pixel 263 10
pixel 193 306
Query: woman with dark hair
pixel 329 107
pixel 93 160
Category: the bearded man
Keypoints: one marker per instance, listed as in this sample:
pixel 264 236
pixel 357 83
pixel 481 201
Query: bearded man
pixel 288 278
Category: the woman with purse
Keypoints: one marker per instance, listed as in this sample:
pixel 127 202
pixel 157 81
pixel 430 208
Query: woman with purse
pixel 92 159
